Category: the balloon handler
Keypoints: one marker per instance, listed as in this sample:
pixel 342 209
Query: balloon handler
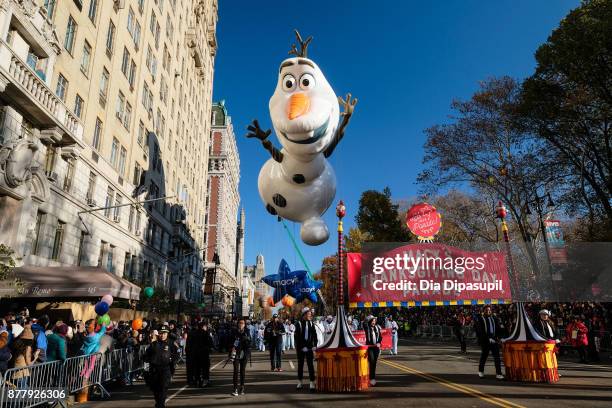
pixel 161 356
pixel 298 183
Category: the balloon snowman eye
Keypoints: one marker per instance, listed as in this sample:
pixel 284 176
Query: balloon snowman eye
pixel 307 82
pixel 289 83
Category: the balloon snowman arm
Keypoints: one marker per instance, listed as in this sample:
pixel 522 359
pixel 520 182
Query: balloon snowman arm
pixel 349 107
pixel 257 132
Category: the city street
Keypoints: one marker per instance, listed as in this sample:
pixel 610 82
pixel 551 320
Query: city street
pixel 424 374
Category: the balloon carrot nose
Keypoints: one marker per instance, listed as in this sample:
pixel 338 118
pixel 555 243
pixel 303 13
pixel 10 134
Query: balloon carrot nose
pixel 298 105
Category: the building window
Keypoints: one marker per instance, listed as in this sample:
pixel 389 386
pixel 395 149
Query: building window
pixel 93 11
pixel 62 87
pixel 114 152
pixel 132 75
pixel 120 107
pixel 141 133
pixel 126 265
pixel 81 248
pixel 104 84
pixel 103 248
pixel 50 6
pixel 136 35
pixel 91 186
pixel 137 174
pixel 157 31
pixel 130 22
pixel 145 96
pixel 141 5
pixel 152 23
pixel 127 117
pixel 58 240
pixel 137 224
pixel 117 209
pixel 122 160
pixel 125 62
pixel 109 260
pixel 69 175
pixel 78 106
pixel 50 158
pixel 110 38
pixel 40 219
pixel 131 218
pixel 70 35
pixel 86 58
pixel 97 136
pixel 110 195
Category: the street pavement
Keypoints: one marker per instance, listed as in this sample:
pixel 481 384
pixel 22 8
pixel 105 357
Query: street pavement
pixel 424 374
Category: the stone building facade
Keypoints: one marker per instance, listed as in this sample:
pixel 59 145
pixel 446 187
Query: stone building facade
pixel 224 232
pixel 105 104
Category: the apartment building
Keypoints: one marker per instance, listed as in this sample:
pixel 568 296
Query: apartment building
pixel 103 108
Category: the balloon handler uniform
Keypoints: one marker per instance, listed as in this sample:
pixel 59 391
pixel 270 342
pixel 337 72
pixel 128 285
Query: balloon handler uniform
pixel 298 183
pixel 161 356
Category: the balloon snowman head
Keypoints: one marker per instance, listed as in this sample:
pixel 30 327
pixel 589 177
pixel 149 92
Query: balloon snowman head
pixel 297 183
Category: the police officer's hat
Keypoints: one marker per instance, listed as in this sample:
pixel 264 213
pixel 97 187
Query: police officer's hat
pixel 164 329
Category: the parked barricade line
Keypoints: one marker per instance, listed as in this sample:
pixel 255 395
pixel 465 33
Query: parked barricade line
pixel 23 387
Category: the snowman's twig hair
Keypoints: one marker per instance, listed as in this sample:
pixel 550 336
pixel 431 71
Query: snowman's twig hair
pixel 303 52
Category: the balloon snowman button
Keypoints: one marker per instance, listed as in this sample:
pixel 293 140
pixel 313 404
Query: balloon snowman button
pixel 298 183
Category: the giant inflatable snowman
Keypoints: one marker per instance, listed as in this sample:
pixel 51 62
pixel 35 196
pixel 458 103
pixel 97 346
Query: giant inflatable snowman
pixel 297 183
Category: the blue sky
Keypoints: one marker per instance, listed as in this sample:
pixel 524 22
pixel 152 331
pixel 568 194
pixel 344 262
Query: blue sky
pixel 404 60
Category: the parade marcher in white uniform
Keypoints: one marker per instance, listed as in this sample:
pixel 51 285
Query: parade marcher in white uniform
pixel 320 332
pixel 392 325
pixel 261 344
pixel 290 335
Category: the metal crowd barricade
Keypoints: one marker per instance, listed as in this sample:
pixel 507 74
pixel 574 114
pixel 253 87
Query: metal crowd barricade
pixel 84 371
pixel 447 332
pixel 426 331
pixel 42 376
pixel 436 331
pixel 115 364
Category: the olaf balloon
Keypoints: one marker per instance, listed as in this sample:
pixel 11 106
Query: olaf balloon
pixel 297 183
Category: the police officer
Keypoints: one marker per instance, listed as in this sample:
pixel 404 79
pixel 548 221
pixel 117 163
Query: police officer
pixel 161 356
pixel 305 343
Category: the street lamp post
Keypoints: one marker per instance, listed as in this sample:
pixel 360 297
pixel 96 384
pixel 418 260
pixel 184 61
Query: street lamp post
pixel 539 201
pixel 501 213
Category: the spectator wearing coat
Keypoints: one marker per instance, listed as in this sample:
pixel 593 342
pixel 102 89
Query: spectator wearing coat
pixel 577 334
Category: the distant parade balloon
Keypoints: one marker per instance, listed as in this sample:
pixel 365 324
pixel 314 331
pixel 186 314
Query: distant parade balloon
pixel 149 291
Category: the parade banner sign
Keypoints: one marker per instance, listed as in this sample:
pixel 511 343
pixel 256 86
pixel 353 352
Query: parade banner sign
pixel 427 275
pixel 556 244
pixel 387 342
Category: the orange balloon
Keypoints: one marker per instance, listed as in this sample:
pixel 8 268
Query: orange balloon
pixel 288 301
pixel 270 301
pixel 137 324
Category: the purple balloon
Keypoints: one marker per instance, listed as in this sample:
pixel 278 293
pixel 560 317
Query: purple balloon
pixel 101 308
pixel 107 299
